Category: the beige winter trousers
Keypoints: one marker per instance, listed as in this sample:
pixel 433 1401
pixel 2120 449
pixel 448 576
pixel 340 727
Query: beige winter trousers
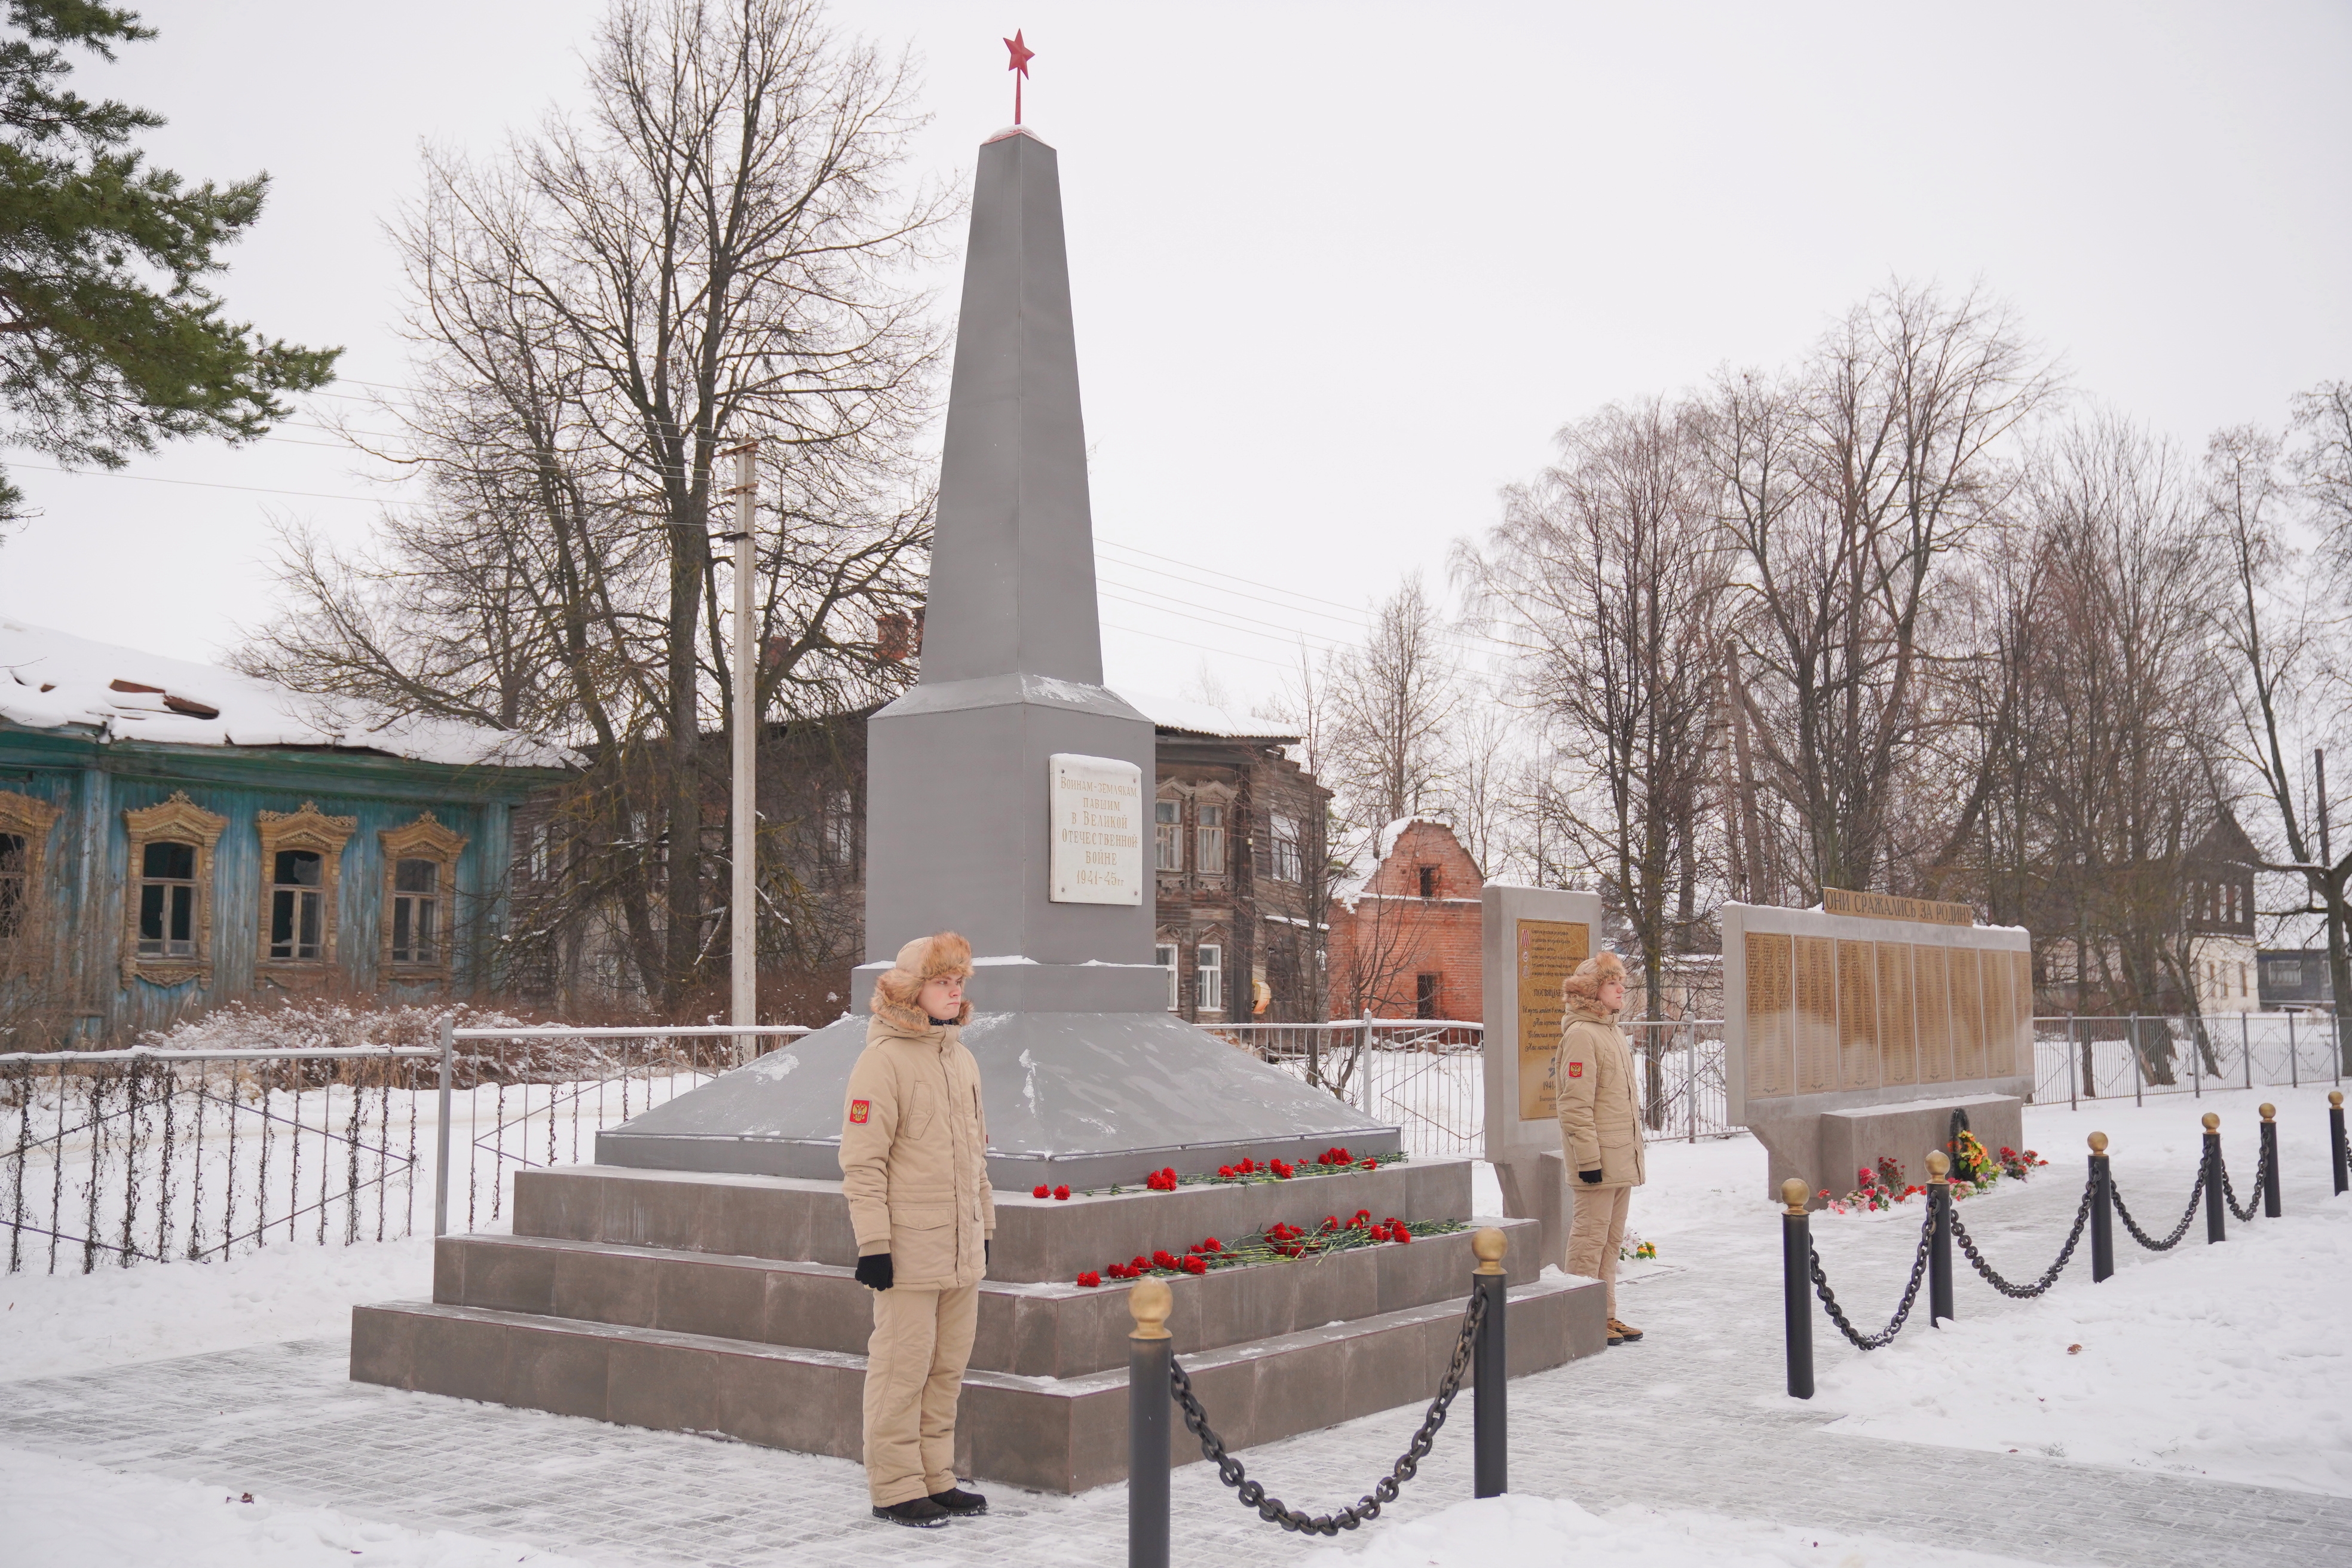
pixel 1596 1233
pixel 914 1370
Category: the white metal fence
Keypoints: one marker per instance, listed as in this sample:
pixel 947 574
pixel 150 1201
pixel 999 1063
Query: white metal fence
pixel 2081 1057
pixel 1429 1076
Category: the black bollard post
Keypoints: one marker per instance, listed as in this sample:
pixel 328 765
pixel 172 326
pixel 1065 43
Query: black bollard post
pixel 1490 1430
pixel 1939 1245
pixel 2216 1204
pixel 1797 1277
pixel 2335 1137
pixel 2270 1162
pixel 1150 1351
pixel 2102 1210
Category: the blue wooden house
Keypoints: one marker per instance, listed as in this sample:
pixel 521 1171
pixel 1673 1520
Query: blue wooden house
pixel 173 835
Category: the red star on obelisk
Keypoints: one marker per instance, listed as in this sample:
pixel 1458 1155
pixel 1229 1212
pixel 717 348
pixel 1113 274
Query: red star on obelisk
pixel 1022 54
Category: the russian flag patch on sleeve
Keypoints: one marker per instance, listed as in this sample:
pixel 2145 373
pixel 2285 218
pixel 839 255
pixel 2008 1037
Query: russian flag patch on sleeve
pixel 859 1109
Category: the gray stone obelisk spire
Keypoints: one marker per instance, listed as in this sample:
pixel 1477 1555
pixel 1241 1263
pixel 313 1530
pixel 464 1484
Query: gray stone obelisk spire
pixel 1007 798
pixel 957 825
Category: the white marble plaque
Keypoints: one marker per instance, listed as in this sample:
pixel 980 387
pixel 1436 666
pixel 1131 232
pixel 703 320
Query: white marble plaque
pixel 1097 816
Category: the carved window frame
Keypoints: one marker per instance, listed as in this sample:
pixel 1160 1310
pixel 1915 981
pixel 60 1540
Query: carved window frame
pixel 178 820
pixel 1223 797
pixel 31 819
pixel 422 840
pixel 311 829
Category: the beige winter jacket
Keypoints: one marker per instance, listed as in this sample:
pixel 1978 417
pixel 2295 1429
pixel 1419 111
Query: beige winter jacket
pixel 914 1147
pixel 1600 1107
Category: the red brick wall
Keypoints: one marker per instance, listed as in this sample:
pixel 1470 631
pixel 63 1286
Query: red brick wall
pixel 1393 935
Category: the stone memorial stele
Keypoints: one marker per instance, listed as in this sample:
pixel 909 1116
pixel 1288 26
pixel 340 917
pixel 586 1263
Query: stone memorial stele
pixel 1853 1031
pixel 1531 939
pixel 698 1277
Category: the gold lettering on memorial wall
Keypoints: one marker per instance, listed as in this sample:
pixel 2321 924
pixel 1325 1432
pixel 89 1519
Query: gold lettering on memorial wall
pixel 1898 1046
pixel 1548 952
pixel 1932 1006
pixel 1768 971
pixel 1816 1014
pixel 1857 1011
pixel 1968 1014
pixel 1884 906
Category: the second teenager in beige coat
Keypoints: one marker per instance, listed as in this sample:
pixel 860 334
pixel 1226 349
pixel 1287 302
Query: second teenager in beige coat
pixel 1600 1123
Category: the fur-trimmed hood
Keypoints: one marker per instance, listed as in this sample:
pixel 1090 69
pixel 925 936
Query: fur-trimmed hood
pixel 924 959
pixel 1580 994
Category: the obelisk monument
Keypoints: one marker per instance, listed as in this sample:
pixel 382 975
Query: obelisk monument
pixel 1008 799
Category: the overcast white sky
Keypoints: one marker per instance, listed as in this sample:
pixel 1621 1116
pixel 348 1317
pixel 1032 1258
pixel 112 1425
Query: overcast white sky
pixel 1340 270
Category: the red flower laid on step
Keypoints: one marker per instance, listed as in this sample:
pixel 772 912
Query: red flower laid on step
pixel 1227 1172
pixel 1141 1264
pixel 1213 1245
pixel 1041 1191
pixel 1061 1194
pixel 1161 1180
pixel 1282 1172
pixel 1163 1259
pixel 1368 1164
pixel 1195 1266
pixel 1398 1233
pixel 1090 1279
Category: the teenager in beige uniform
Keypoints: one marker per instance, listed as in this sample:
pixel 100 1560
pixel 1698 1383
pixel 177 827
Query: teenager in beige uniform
pixel 1600 1122
pixel 914 1166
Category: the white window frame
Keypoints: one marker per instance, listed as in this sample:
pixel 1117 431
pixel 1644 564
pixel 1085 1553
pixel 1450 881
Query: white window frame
pixel 1209 976
pixel 1209 844
pixel 1163 953
pixel 1167 834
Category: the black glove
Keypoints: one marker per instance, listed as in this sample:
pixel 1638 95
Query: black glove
pixel 874 1271
pixel 987 1249
pixel 1590 1178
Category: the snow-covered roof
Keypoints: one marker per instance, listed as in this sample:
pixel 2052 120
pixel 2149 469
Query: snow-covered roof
pixel 51 681
pixel 1206 719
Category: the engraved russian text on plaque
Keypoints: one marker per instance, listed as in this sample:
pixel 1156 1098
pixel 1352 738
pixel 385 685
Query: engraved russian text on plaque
pixel 1098 817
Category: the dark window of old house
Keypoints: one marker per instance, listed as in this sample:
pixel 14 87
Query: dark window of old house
pixel 1289 860
pixel 298 904
pixel 1163 953
pixel 840 828
pixel 1210 859
pixel 16 896
pixel 1424 995
pixel 167 901
pixel 1209 977
pixel 1167 834
pixel 1429 882
pixel 416 911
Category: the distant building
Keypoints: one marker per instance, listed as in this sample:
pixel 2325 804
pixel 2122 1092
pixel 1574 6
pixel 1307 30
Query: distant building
pixel 173 835
pixel 1404 939
pixel 2217 915
pixel 2296 980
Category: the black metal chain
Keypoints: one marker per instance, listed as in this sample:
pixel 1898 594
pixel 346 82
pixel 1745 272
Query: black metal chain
pixel 1368 1507
pixel 2262 1181
pixel 1910 1292
pixel 2050 1276
pixel 2170 1242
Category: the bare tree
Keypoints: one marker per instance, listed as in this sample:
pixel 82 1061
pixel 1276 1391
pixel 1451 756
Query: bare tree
pixel 1392 703
pixel 709 254
pixel 1846 489
pixel 1608 574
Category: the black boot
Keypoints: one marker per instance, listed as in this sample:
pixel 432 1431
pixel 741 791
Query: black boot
pixel 920 1512
pixel 961 1503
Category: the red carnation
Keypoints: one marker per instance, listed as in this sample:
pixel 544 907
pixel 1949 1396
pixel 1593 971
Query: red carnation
pixel 1041 1190
pixel 1225 1173
pixel 1281 1171
pixel 1090 1279
pixel 1213 1245
pixel 1163 1259
pixel 1401 1233
pixel 1061 1194
pixel 1195 1266
pixel 1369 1164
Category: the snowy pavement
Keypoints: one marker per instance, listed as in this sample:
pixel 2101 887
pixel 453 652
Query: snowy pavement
pixel 2200 1423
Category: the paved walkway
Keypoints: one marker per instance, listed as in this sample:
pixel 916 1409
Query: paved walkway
pixel 1692 1418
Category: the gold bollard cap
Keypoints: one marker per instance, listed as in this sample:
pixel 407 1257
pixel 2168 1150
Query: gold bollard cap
pixel 2098 1143
pixel 2335 1098
pixel 2212 1122
pixel 1940 1165
pixel 1793 1192
pixel 2268 1110
pixel 1151 1300
pixel 1490 1244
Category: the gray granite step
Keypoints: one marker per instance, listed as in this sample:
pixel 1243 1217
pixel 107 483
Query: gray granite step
pixel 1045 1329
pixel 1038 1240
pixel 1054 1434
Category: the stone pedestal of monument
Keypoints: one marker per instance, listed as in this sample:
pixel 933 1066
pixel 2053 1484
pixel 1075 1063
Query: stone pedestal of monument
pixel 722 1303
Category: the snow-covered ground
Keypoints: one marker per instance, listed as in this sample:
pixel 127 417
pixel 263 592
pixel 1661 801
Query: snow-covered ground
pixel 1505 1531
pixel 2227 1361
pixel 62 1513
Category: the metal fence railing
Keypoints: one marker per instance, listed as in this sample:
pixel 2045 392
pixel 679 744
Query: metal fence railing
pixel 1429 1074
pixel 2079 1058
pixel 143 1155
pixel 151 1154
